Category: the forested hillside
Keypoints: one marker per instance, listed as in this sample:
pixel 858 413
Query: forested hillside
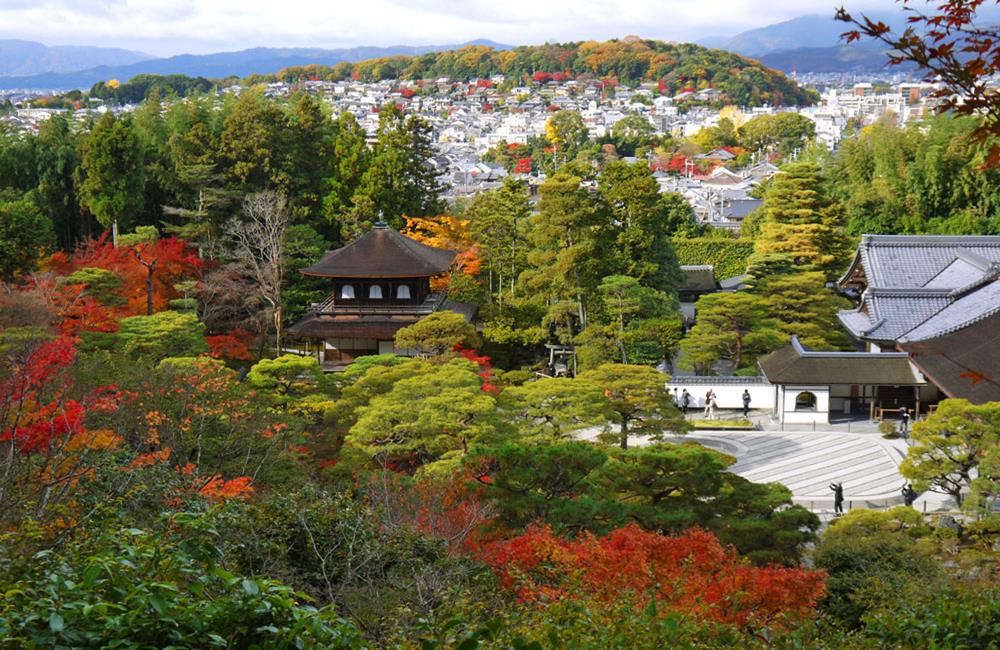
pixel 677 65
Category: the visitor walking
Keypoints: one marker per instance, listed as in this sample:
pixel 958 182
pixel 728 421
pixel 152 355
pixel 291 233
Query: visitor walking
pixel 904 423
pixel 746 404
pixel 909 495
pixel 838 497
pixel 709 397
pixel 712 405
pixel 685 401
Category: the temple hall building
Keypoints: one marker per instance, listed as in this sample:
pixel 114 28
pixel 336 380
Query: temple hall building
pixel 936 298
pixel 379 284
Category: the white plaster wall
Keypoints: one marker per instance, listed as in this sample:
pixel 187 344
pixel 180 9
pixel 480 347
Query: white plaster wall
pixel 727 396
pixel 820 415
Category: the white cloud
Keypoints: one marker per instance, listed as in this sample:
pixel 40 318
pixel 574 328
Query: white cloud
pixel 167 27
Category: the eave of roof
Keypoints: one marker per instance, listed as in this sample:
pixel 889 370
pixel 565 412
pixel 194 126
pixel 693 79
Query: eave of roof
pixel 793 364
pixel 382 253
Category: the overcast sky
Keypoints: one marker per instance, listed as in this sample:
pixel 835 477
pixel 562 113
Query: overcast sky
pixel 167 27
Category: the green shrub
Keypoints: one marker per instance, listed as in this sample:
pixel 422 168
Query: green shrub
pixel 134 588
pixel 164 334
pixel 888 429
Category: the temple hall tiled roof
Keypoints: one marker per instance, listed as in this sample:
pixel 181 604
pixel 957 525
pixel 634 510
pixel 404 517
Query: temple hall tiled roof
pixel 908 281
pixel 912 261
pixel 793 364
pixel 961 313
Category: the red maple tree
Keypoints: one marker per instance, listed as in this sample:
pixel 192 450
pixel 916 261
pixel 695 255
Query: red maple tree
pixel 691 573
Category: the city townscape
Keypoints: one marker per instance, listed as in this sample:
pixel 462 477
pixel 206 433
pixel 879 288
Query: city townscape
pixel 627 342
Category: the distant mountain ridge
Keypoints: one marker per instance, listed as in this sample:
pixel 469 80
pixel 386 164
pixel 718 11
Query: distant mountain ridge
pixel 813 43
pixel 856 57
pixel 19 57
pixel 260 60
pixel 804 31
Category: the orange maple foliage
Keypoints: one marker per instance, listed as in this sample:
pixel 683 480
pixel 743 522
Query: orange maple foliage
pixel 451 510
pixel 152 458
pixel 446 231
pixel 691 573
pixel 218 489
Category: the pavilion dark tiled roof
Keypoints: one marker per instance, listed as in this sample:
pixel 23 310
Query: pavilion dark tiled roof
pixel 383 253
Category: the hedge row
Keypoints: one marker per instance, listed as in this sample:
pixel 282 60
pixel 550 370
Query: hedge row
pixel 728 256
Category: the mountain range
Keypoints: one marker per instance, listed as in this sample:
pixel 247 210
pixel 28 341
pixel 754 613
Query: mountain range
pixel 243 63
pixel 809 43
pixel 18 58
pixel 813 43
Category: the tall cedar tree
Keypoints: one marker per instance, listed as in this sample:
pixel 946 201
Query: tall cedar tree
pixel 498 220
pixel 111 176
pixel 57 159
pixel 399 179
pixel 801 229
pixel 564 261
pixel 638 226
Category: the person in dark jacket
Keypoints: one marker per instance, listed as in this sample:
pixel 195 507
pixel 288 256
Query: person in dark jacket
pixel 904 423
pixel 746 404
pixel 685 401
pixel 909 495
pixel 838 497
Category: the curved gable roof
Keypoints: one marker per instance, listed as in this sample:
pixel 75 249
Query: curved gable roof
pixel 383 253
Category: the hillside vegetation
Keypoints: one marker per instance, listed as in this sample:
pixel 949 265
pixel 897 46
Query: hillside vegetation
pixel 675 66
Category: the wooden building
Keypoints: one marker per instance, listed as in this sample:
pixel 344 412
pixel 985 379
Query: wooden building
pixel 379 284
pixel 935 297
pixel 817 386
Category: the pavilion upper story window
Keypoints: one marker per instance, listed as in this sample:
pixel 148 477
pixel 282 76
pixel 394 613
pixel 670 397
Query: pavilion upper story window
pixel 375 292
pixel 403 292
pixel 347 292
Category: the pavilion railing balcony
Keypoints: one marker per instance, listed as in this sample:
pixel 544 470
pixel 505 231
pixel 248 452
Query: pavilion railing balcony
pixel 332 305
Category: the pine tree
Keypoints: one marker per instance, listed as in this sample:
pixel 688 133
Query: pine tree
pixel 638 226
pixel 801 229
pixel 564 261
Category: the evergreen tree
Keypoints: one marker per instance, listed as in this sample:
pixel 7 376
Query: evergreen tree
pixel 400 179
pixel 801 230
pixel 638 226
pixel 800 304
pixel 309 144
pixel 110 176
pixel 57 160
pixel 251 146
pixel 203 201
pixel 497 220
pixel 731 327
pixel 349 161
pixel 24 233
pixel 564 263
pixel 639 401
